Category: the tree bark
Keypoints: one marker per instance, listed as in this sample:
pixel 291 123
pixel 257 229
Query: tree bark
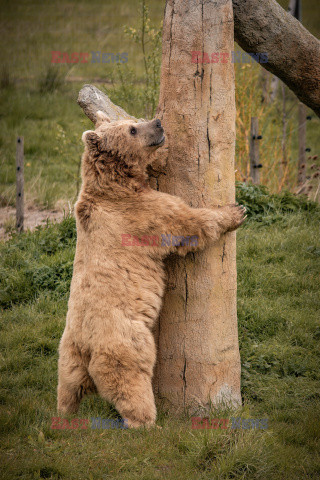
pixel 293 53
pixel 198 354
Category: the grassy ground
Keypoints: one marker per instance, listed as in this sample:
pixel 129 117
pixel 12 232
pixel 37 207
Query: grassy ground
pixel 278 272
pixel 32 30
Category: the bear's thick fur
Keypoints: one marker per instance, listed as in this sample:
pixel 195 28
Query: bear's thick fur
pixel 124 231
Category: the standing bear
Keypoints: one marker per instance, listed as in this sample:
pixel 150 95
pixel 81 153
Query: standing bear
pixel 125 229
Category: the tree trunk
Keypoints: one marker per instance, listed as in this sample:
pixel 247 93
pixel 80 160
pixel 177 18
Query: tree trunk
pixel 293 53
pixel 198 355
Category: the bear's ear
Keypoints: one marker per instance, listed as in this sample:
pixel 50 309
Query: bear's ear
pixel 91 140
pixel 101 117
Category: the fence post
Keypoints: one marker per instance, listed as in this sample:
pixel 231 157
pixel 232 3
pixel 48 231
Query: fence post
pixel 302 167
pixel 254 151
pixel 19 185
pixel 295 9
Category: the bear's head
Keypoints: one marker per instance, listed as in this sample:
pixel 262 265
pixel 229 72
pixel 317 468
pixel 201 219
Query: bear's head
pixel 119 152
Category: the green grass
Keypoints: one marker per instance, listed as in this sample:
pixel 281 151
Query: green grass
pixel 278 310
pixel 32 30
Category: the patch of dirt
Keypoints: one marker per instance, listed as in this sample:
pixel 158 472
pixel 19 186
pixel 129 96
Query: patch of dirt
pixel 32 218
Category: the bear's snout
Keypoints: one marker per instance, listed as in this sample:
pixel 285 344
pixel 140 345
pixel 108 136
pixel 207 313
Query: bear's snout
pixel 156 123
pixel 157 137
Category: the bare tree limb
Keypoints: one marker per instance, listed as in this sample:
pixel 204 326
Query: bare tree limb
pixel 91 99
pixel 293 53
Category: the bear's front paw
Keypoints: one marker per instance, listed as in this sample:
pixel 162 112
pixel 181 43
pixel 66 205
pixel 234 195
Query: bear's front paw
pixel 237 214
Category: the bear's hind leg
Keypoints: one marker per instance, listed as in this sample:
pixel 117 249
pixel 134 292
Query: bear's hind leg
pixel 73 383
pixel 129 389
pixel 136 403
pixel 70 393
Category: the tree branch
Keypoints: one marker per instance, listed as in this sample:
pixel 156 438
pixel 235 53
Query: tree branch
pixel 91 99
pixel 293 53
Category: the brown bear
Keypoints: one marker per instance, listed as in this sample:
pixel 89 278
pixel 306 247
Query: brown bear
pixel 125 229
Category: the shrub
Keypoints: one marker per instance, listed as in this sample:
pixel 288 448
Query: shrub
pixel 267 208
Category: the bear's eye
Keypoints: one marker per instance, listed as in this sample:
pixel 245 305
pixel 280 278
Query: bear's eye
pixel 133 131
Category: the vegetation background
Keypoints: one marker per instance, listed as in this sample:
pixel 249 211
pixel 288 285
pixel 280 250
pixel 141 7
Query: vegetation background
pixel 278 261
